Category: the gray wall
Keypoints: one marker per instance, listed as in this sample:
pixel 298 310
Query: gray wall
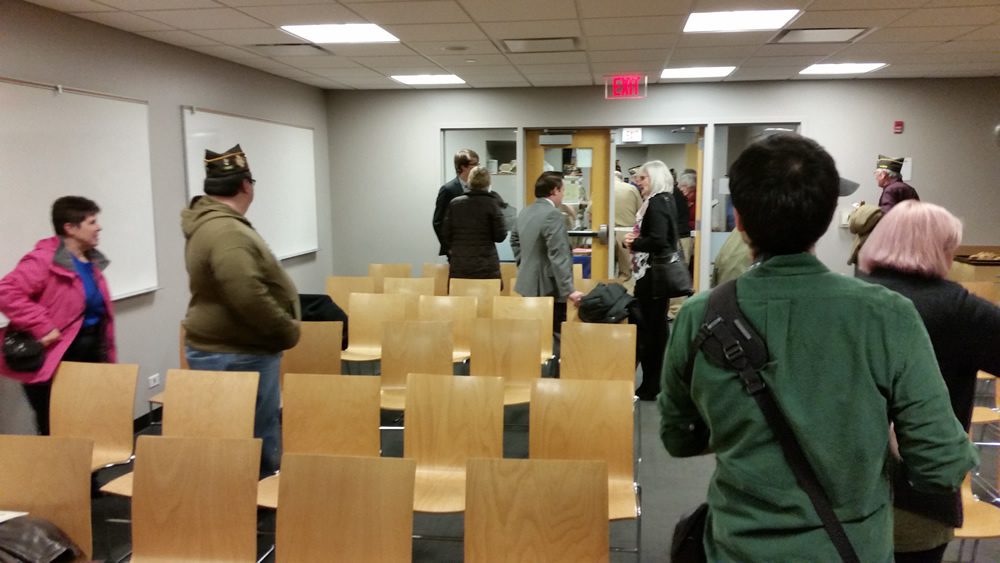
pixel 948 128
pixel 45 46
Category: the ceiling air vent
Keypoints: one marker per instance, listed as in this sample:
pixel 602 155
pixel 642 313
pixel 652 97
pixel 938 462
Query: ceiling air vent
pixel 288 50
pixel 548 45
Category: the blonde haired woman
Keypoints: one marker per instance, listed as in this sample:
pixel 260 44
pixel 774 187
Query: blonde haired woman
pixel 472 226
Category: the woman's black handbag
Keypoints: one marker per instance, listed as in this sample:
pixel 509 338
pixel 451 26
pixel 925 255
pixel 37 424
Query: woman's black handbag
pixel 22 352
pixel 688 544
pixel 669 276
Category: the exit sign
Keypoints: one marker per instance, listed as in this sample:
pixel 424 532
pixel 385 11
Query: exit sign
pixel 625 87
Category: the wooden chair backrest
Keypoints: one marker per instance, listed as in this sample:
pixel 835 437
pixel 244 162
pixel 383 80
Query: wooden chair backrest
pixel 368 312
pixel 195 499
pixel 508 271
pixel 95 402
pixel 988 290
pixel 537 308
pixel 49 477
pixel 440 274
pixel 460 310
pixel 578 419
pixel 598 351
pixel 507 348
pixel 209 404
pixel 415 347
pixel 415 286
pixel 577 274
pixel 345 509
pixel 340 288
pixel 183 357
pixel 379 272
pixel 585 286
pixel 483 290
pixel 318 349
pixel 323 414
pixel 510 505
pixel 451 419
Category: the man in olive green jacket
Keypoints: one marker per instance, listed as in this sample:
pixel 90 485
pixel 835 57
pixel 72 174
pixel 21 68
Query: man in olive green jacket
pixel 846 359
pixel 244 309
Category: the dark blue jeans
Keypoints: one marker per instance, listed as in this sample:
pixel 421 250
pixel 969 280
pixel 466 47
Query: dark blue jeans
pixel 266 423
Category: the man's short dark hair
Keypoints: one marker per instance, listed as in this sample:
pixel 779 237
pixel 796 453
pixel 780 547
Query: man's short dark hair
pixel 71 209
pixel 785 188
pixel 227 187
pixel 547 183
pixel 464 158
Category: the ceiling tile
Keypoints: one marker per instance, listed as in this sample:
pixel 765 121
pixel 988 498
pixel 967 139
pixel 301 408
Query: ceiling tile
pixel 630 55
pixel 321 61
pixel 535 70
pixel 674 62
pixel 801 49
pixel 459 61
pixel 346 74
pixel 262 36
pixel 383 83
pixel 966 47
pixel 226 52
pixel 633 26
pixel 723 39
pixel 873 50
pixel 216 18
pixel 306 14
pixel 435 48
pixel 457 32
pixel 570 57
pixel 729 5
pixel 801 62
pixel 176 37
pixel 605 9
pixel 519 10
pixel 436 11
pixel 845 18
pixel 399 65
pixel 135 5
pixel 518 82
pixel 959 3
pixel 370 50
pixel 712 52
pixel 763 73
pixel 499 71
pixel 242 3
pixel 124 20
pixel 824 5
pixel 907 34
pixel 647 67
pixel 950 16
pixel 562 80
pixel 615 42
pixel 947 58
pixel 532 30
pixel 73 6
pixel 983 34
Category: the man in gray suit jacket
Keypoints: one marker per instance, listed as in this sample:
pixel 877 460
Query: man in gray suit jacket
pixel 542 250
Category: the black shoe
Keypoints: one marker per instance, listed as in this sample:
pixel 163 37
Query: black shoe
pixel 646 395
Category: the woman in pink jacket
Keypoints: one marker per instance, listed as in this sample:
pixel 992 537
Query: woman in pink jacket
pixel 58 295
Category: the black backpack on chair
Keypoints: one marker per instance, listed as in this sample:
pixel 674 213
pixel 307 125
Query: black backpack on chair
pixel 606 303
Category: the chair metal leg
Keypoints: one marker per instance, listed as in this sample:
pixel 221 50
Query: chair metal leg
pixel 269 551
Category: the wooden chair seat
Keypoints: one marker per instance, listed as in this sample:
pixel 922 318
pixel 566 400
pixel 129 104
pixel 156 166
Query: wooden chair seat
pixel 393 398
pixel 439 489
pixel 622 500
pixel 516 393
pixel 984 415
pixel 981 520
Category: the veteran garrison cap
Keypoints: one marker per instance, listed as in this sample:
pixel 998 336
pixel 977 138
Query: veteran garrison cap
pixel 889 163
pixel 222 167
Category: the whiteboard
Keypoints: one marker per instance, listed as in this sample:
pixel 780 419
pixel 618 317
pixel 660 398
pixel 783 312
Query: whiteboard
pixel 56 142
pixel 282 161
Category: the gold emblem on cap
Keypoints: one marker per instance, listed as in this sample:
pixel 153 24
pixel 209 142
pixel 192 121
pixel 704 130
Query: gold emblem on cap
pixel 240 161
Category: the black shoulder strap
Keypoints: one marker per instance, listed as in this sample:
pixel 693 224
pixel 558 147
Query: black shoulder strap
pixel 728 339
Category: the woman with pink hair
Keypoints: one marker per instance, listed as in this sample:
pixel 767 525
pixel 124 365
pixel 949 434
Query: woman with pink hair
pixel 910 251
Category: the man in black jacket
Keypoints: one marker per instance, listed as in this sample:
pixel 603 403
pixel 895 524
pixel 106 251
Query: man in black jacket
pixel 465 161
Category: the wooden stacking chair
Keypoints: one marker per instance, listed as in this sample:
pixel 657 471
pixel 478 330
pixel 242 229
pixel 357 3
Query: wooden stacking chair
pixel 340 288
pixel 459 310
pixel 49 477
pixel 440 274
pixel 507 348
pixel 449 420
pixel 980 520
pixel 96 402
pixel 483 290
pixel 412 347
pixel 508 272
pixel 195 499
pixel 598 351
pixel 324 414
pixel 345 509
pixel 536 510
pixel 203 404
pixel 578 419
pixel 379 272
pixel 367 313
pixel 412 289
pixel 537 308
pixel 318 349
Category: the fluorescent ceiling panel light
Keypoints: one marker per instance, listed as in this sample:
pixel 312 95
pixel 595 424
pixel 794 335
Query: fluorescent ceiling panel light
pixel 841 68
pixel 698 72
pixel 744 20
pixel 427 79
pixel 820 35
pixel 341 33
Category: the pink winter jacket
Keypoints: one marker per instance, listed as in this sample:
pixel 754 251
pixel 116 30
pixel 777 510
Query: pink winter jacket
pixel 43 293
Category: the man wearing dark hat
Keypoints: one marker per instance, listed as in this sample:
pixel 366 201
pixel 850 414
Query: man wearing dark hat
pixel 244 309
pixel 894 189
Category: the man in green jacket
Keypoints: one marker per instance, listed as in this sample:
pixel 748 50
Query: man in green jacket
pixel 846 359
pixel 244 309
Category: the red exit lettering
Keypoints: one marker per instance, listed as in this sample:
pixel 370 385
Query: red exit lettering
pixel 624 86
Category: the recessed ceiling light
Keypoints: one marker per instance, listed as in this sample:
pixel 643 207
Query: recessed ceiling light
pixel 698 72
pixel 840 35
pixel 341 33
pixel 842 68
pixel 426 79
pixel 743 20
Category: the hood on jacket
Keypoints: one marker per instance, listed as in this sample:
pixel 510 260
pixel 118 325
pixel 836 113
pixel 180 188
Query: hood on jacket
pixel 203 209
